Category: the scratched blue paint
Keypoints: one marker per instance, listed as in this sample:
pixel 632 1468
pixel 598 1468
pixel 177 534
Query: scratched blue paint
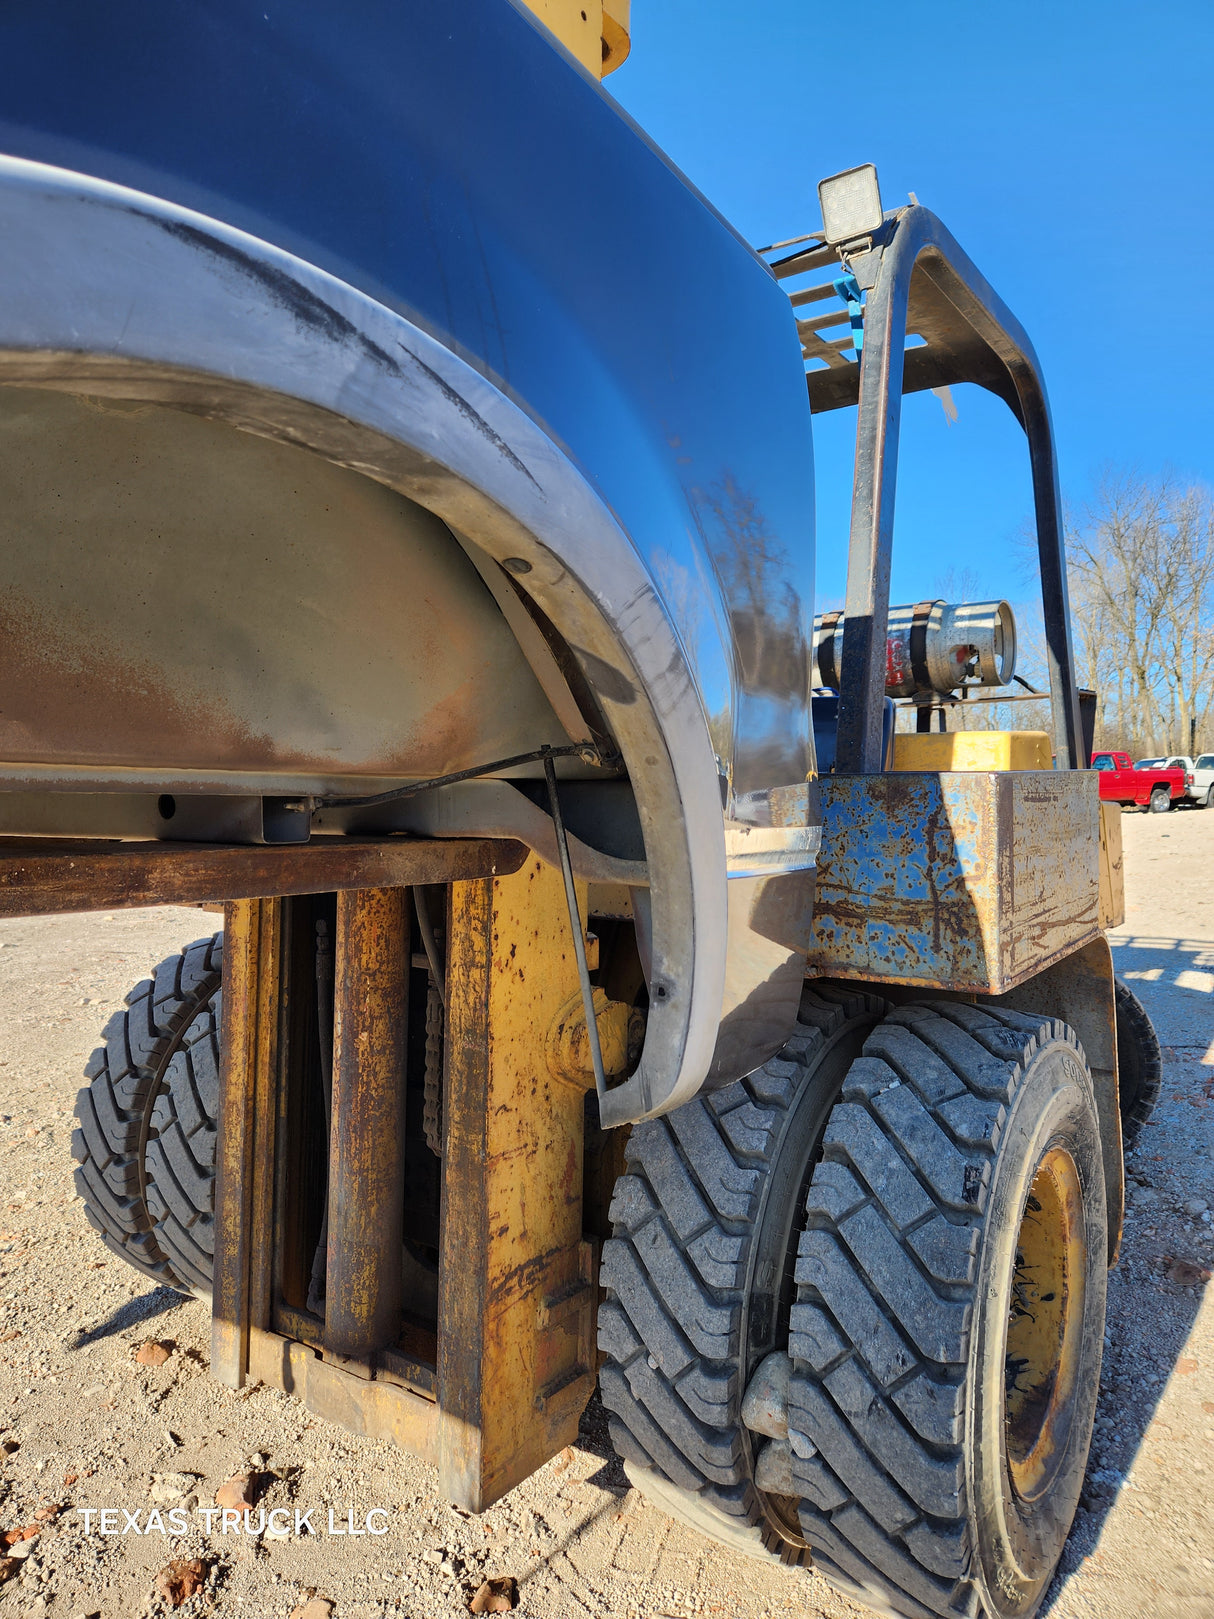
pixel 904 877
pixel 963 880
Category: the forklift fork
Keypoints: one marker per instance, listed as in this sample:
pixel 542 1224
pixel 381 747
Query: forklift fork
pixel 499 1387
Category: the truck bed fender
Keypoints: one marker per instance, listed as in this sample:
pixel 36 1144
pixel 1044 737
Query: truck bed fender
pixel 107 291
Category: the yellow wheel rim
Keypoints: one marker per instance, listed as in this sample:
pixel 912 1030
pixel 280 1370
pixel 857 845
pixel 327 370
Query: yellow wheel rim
pixel 1045 1320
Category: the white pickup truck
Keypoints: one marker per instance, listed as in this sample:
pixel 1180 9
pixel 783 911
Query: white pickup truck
pixel 1198 777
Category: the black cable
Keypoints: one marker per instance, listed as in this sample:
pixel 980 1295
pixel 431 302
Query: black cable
pixel 426 928
pixel 575 925
pixel 586 751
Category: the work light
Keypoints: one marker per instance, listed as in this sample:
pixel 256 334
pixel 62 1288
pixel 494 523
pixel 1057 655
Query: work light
pixel 851 204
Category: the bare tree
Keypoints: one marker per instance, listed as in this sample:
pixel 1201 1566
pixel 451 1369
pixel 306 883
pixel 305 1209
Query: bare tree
pixel 1187 655
pixel 1140 563
pixel 1141 566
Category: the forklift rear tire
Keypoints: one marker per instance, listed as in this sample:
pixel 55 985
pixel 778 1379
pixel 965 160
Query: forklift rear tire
pixel 699 1276
pixel 1160 800
pixel 947 1334
pixel 1139 1063
pixel 145 1149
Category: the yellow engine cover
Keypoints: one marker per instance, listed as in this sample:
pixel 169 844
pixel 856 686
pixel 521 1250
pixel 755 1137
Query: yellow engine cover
pixel 973 750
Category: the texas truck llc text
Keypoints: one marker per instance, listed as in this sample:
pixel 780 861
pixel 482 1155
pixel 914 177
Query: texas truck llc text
pixel 279 1523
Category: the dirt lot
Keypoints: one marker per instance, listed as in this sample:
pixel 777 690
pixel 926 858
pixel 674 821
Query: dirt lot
pixel 83 1425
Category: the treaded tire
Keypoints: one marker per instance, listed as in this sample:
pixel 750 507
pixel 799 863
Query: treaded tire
pixel 154 1076
pixel 909 1272
pixel 699 1276
pixel 1159 802
pixel 1139 1063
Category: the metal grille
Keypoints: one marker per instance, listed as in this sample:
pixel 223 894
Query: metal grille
pixel 823 327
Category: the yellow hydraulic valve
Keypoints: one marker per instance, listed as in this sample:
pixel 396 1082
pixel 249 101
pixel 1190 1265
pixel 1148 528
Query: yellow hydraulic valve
pixel 973 750
pixel 595 31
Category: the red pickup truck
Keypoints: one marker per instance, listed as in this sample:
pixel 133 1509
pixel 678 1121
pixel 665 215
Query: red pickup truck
pixel 1155 789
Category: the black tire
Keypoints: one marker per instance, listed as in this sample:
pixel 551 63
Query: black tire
pixel 145 1149
pixel 939 1170
pixel 699 1276
pixel 1159 801
pixel 1208 801
pixel 1139 1064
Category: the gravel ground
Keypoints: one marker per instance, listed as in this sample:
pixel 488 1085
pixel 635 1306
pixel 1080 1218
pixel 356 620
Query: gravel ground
pixel 84 1426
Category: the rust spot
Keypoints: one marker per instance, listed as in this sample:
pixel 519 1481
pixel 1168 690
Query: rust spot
pixel 72 696
pixel 63 693
pixel 176 592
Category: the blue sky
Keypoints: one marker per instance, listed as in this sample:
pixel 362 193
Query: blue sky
pixel 1068 147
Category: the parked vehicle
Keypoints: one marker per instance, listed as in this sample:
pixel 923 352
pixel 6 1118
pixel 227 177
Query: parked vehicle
pixel 1199 778
pixel 1148 764
pixel 1154 787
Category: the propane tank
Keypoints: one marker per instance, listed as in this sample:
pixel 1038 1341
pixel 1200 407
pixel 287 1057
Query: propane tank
pixel 931 646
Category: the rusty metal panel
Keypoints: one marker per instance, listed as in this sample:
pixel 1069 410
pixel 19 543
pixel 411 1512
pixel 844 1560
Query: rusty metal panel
pixel 43 877
pixel 196 597
pixel 245 1149
pixel 1054 837
pixel 960 880
pixel 1112 870
pixel 378 1410
pixel 367 1142
pixel 516 1289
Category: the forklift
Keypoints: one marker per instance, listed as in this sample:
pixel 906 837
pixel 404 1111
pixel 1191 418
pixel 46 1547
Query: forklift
pixel 408 546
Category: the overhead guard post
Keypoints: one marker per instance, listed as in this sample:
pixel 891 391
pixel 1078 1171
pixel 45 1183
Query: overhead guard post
pixel 917 239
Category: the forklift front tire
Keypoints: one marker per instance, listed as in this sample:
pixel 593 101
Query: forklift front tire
pixel 699 1277
pixel 923 1436
pixel 947 1334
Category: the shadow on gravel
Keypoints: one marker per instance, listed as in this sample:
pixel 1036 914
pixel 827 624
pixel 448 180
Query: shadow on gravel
pixel 144 1308
pixel 1174 980
pixel 1167 1251
pixel 592 1439
pixel 595 1439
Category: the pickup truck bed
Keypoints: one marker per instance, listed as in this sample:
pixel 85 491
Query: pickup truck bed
pixel 1154 789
